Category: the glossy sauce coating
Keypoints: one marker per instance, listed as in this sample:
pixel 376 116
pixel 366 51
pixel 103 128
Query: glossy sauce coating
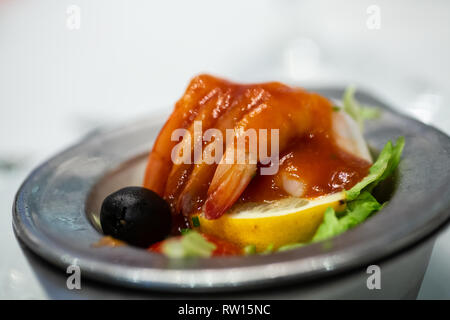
pixel 317 162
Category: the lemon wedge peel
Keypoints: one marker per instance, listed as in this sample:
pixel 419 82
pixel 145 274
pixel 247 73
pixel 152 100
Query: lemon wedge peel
pixel 277 223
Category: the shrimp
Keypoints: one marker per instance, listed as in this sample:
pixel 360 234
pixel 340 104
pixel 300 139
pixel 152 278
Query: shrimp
pixel 215 103
pixel 294 113
pixel 186 109
pixel 197 185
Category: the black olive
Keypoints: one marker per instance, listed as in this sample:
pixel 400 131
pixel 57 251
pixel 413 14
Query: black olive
pixel 136 215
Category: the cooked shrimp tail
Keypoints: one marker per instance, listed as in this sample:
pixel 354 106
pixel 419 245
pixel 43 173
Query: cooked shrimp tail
pixel 233 179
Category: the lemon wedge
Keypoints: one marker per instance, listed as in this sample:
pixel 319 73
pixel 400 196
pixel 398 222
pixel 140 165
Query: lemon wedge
pixel 277 223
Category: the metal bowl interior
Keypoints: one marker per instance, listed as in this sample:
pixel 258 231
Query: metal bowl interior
pixel 56 209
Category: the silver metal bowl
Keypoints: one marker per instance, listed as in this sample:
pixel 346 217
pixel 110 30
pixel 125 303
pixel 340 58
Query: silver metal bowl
pixel 55 214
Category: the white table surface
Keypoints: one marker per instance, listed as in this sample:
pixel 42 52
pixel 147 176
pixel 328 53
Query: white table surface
pixel 128 59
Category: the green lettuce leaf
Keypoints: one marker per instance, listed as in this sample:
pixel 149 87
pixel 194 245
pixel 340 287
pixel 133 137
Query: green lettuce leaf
pixel 291 246
pixel 250 249
pixel 357 211
pixel 395 158
pixel 269 249
pixel 383 168
pixel 375 172
pixel 191 244
pixel 369 113
pixel 358 112
pixel 350 105
pixel 329 227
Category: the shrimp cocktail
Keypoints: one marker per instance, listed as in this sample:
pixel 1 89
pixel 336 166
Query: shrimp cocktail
pixel 242 169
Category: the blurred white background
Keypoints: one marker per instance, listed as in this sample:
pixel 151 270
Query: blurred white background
pixel 59 80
